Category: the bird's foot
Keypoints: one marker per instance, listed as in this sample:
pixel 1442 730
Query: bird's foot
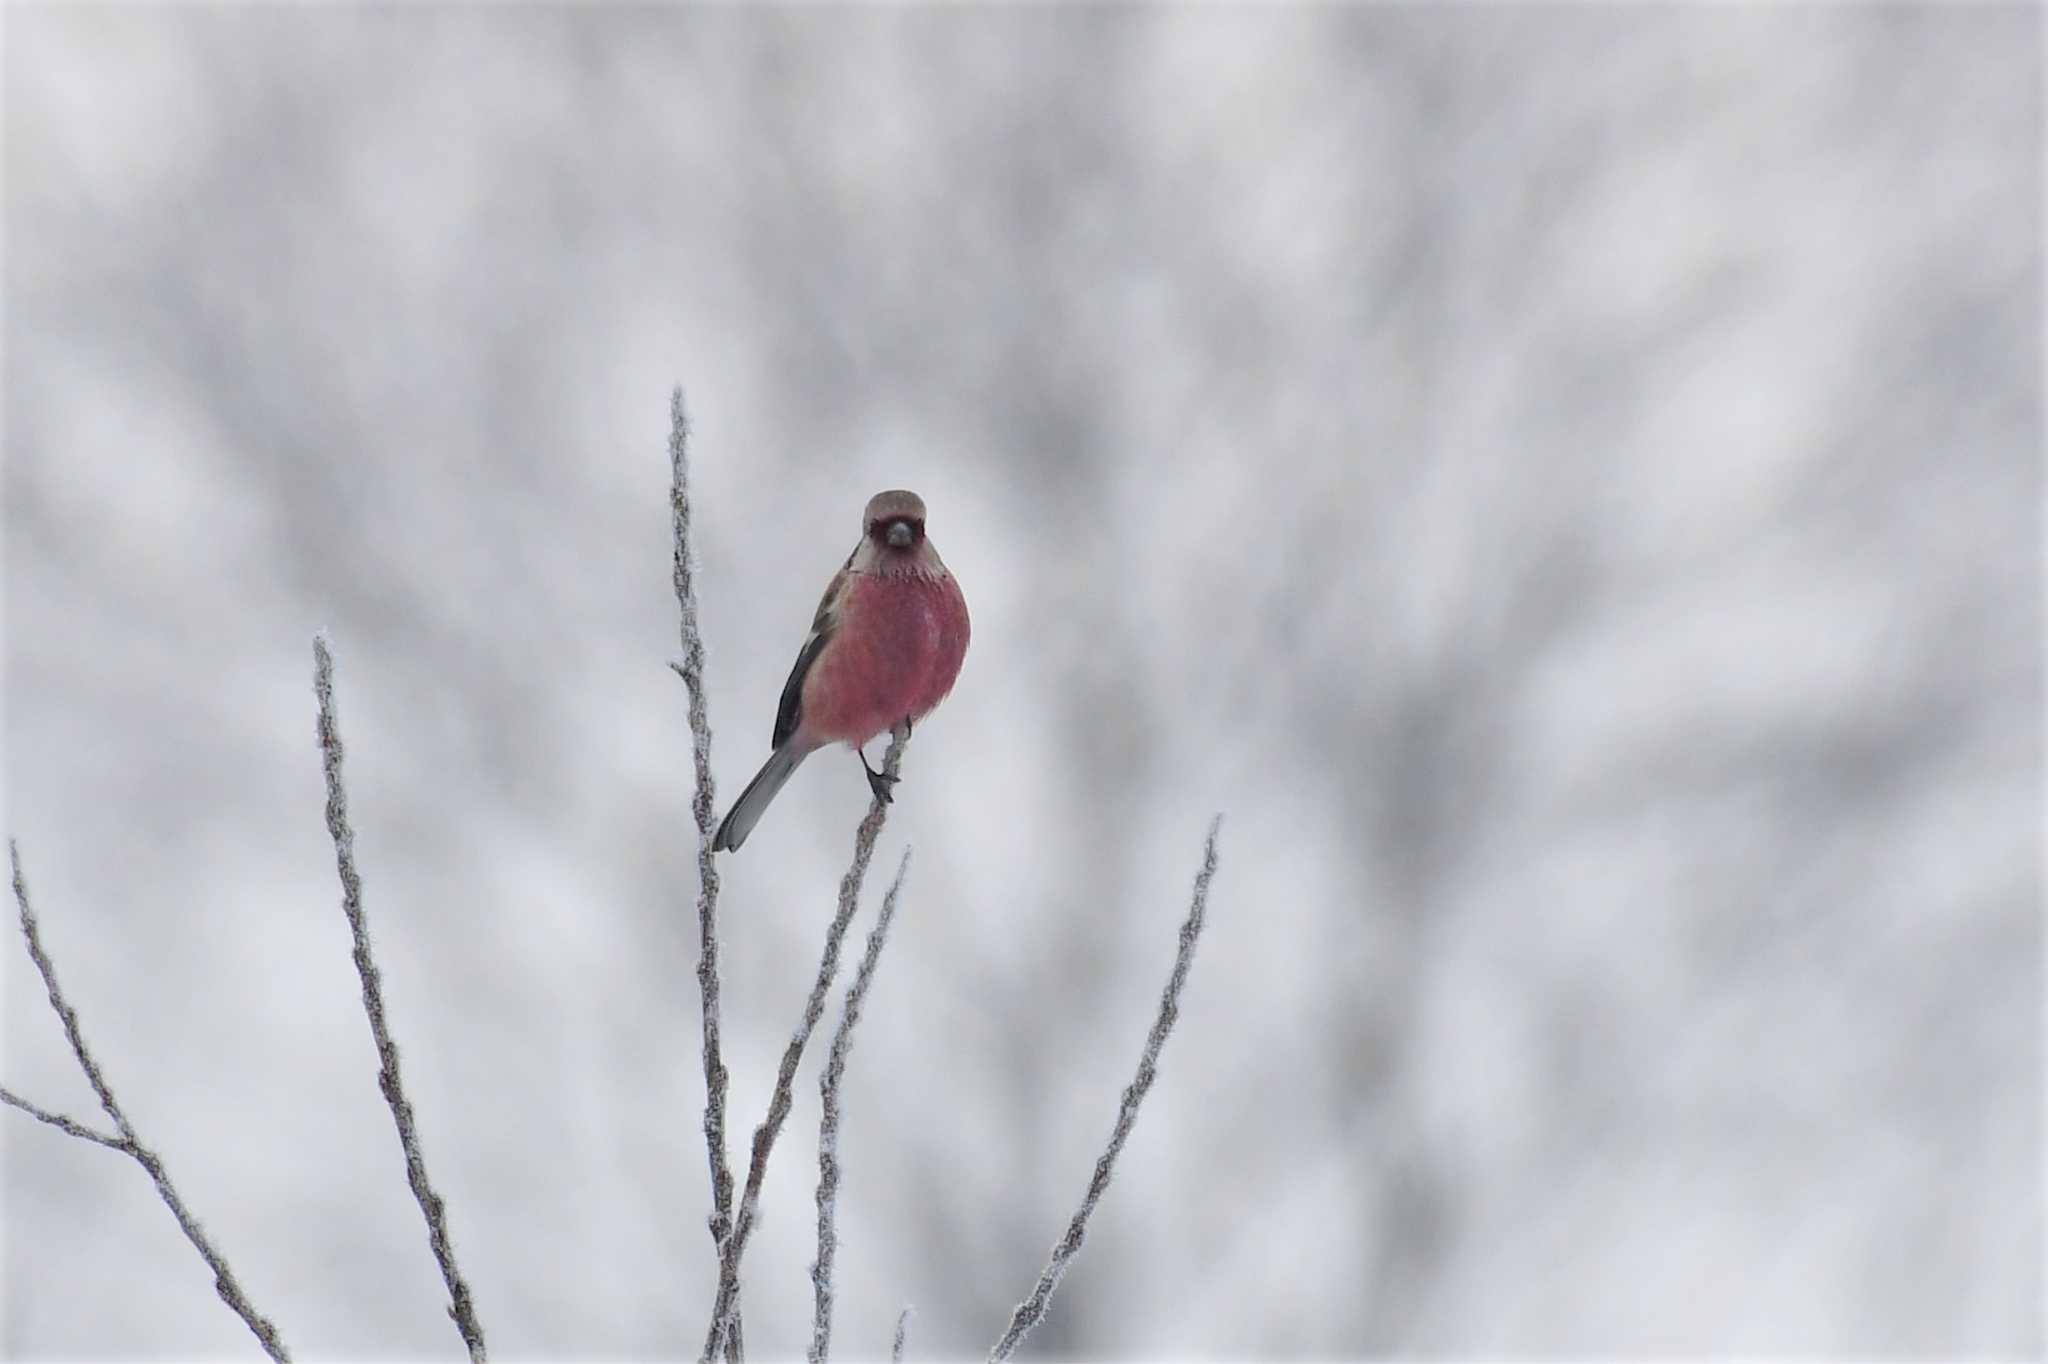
pixel 878 782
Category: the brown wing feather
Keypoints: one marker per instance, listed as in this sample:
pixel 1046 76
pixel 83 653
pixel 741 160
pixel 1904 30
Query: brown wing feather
pixel 789 713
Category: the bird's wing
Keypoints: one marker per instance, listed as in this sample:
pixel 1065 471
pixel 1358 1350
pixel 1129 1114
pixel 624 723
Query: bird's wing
pixel 790 712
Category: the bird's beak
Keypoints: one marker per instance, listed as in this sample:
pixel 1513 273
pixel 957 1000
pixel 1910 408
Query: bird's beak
pixel 899 535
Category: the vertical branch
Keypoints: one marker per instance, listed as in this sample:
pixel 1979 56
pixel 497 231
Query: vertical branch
pixel 1032 1308
pixel 224 1282
pixel 902 1333
pixel 460 1308
pixel 724 1308
pixel 828 1121
pixel 703 807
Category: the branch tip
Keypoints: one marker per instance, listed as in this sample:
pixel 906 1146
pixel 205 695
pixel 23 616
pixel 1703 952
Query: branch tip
pixel 1032 1309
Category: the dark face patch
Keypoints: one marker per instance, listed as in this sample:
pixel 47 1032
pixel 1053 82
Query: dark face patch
pixel 897 532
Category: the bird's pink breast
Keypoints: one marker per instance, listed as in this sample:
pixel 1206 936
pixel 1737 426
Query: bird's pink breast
pixel 895 653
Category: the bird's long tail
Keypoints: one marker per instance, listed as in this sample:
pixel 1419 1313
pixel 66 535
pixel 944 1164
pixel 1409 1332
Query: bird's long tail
pixel 746 811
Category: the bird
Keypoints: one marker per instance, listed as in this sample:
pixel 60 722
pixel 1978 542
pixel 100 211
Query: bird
pixel 885 648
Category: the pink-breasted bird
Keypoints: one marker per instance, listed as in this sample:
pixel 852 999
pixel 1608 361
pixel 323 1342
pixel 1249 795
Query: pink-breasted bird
pixel 884 649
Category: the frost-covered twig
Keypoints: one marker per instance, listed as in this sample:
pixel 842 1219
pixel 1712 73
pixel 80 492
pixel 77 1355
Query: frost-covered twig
pixel 1032 1308
pixel 460 1309
pixel 724 1306
pixel 704 807
pixel 902 1330
pixel 224 1282
pixel 68 1126
pixel 828 1120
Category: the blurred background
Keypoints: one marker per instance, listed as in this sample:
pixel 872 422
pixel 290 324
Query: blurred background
pixel 1562 481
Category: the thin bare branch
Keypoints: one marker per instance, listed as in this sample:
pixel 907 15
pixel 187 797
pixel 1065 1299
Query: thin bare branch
pixel 460 1309
pixel 1032 1308
pixel 704 807
pixel 70 1126
pixel 724 1308
pixel 224 1281
pixel 902 1332
pixel 828 1121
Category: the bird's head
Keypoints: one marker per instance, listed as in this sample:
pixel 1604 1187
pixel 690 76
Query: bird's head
pixel 895 520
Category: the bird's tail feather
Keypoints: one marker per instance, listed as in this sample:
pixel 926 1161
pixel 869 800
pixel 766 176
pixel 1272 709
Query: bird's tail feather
pixel 740 820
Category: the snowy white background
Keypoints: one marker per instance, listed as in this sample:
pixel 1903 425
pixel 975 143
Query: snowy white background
pixel 1563 481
